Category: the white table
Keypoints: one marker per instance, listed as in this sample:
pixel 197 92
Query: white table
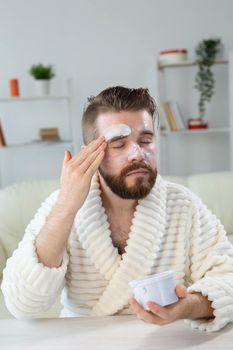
pixel 112 333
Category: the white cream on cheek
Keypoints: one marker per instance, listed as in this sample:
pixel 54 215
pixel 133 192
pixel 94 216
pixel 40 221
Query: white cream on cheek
pixel 120 158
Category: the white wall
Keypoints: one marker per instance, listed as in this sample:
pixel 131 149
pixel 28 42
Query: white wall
pixel 102 43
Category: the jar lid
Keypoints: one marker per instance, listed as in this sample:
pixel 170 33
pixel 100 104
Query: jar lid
pixel 164 52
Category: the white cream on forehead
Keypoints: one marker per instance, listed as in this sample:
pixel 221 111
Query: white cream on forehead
pixel 117 130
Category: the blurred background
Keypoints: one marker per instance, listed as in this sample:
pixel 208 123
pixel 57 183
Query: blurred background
pixel 92 45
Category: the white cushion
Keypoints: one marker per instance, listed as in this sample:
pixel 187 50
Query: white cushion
pixel 2 259
pixel 216 191
pixel 182 180
pixel 18 205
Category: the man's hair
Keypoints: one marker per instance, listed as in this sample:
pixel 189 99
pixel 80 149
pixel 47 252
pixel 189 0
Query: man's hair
pixel 114 99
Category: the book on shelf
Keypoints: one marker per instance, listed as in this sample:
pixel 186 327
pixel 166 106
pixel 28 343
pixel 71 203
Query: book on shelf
pixel 174 116
pixel 170 117
pixel 2 137
pixel 178 115
pixel 163 121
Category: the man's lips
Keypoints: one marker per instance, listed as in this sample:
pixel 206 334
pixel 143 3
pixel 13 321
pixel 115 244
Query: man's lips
pixel 138 171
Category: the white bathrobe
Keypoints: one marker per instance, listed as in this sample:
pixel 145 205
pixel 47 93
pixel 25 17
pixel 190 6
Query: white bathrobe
pixel 171 230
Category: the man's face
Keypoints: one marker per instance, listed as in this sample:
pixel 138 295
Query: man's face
pixel 129 164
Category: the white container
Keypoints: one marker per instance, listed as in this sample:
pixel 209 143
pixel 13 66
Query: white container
pixel 159 288
pixel 172 56
pixel 42 87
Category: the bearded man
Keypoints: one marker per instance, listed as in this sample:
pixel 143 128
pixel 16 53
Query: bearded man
pixel 115 219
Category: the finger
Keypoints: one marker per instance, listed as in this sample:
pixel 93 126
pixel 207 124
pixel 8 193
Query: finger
pixel 181 291
pixel 67 157
pixel 139 311
pixel 158 310
pixel 144 315
pixel 91 158
pixel 135 305
pixel 95 164
pixel 89 149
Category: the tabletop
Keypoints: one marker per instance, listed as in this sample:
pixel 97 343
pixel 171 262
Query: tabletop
pixel 111 332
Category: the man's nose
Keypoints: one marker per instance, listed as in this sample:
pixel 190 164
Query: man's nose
pixel 135 153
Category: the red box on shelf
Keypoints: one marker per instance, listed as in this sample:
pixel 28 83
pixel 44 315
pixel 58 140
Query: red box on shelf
pixel 197 123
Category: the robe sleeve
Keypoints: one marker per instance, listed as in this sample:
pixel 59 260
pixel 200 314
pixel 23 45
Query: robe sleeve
pixel 211 267
pixel 28 286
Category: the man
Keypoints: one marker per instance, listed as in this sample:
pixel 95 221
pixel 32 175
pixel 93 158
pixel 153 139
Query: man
pixel 115 219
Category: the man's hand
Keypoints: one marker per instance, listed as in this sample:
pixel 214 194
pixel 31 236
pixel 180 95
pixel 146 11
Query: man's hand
pixel 189 306
pixel 76 176
pixel 77 173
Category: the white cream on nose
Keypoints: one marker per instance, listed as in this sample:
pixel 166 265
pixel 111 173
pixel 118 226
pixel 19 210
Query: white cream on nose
pixel 134 151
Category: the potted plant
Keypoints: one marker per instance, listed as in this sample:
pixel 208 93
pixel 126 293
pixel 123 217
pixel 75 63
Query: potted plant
pixel 43 75
pixel 206 53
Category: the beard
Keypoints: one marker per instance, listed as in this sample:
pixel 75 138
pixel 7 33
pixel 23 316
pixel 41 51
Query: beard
pixel 141 187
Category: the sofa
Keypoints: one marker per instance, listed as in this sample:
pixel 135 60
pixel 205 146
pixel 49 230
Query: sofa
pixel 19 203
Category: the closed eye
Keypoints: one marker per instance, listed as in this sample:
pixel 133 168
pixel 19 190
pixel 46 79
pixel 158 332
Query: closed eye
pixel 145 142
pixel 120 146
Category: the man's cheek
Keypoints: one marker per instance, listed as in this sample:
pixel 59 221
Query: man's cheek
pixel 107 164
pixel 151 156
pixel 115 161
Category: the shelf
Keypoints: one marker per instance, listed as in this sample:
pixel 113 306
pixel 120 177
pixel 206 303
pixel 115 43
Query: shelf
pixel 195 131
pixel 38 143
pixel 34 98
pixel 195 151
pixel 187 64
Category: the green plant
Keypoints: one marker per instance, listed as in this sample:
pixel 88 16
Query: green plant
pixel 206 53
pixel 39 71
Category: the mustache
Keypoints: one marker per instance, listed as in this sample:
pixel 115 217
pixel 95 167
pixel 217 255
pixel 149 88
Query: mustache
pixel 135 166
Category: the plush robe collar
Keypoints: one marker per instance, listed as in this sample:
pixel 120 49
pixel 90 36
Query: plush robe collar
pixel 143 244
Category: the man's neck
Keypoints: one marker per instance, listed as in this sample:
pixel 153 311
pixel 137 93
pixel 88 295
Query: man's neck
pixel 114 203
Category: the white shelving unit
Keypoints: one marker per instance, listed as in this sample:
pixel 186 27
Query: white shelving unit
pixel 185 64
pixel 26 157
pixel 187 152
pixel 34 98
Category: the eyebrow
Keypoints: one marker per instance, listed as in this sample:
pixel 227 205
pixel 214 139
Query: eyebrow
pixel 147 132
pixel 144 132
pixel 116 138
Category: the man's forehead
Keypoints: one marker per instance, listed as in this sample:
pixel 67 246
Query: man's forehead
pixel 137 121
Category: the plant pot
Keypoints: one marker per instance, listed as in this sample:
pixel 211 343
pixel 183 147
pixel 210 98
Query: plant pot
pixel 42 87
